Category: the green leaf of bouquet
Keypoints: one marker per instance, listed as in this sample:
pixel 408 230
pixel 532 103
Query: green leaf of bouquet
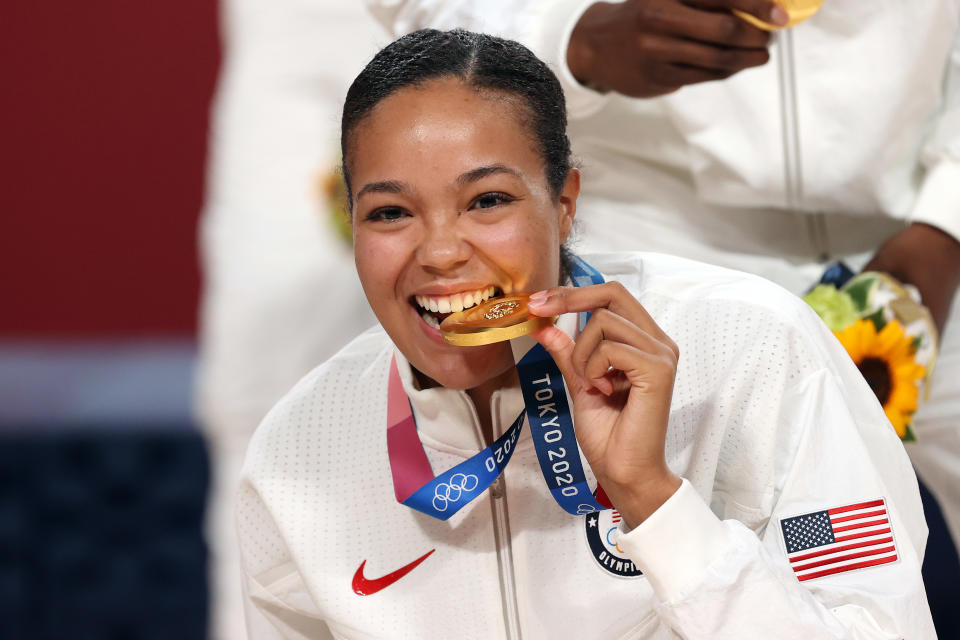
pixel 909 436
pixel 915 344
pixel 878 319
pixel 859 292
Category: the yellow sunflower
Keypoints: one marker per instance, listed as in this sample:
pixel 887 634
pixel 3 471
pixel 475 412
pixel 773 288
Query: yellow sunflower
pixel 886 361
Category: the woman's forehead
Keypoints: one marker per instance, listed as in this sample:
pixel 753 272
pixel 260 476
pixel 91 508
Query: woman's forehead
pixel 444 117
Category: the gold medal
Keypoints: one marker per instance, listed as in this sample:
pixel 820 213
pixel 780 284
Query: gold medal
pixel 493 320
pixel 798 10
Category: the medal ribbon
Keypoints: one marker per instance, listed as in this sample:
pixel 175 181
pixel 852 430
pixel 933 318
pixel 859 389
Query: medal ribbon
pixel 413 481
pixel 551 424
pixel 547 410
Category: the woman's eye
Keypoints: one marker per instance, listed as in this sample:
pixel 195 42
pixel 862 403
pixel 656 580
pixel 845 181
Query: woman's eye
pixel 386 214
pixel 489 200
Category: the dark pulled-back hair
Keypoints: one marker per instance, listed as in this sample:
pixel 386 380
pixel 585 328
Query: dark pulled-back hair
pixel 481 61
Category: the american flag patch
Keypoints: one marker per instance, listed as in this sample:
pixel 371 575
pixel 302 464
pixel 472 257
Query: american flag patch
pixel 823 543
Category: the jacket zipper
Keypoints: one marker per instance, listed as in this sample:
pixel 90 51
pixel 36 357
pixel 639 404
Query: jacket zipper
pixel 792 153
pixel 504 541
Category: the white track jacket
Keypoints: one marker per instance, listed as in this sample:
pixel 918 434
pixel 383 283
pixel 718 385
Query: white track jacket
pixel 798 517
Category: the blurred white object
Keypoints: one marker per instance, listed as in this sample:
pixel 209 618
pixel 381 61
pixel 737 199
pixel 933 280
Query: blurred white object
pixel 280 290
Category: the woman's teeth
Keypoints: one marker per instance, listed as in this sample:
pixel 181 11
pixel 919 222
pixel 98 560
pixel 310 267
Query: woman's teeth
pixel 455 302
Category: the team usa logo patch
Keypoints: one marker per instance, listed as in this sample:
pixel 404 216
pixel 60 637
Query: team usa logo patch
pixel 602 531
pixel 847 538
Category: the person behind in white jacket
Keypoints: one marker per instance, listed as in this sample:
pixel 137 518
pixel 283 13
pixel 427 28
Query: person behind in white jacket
pixel 266 241
pixel 845 144
pixel 750 485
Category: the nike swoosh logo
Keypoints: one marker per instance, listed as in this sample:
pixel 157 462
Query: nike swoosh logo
pixel 364 587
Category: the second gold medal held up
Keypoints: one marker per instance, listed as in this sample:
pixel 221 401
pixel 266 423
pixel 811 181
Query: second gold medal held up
pixel 798 10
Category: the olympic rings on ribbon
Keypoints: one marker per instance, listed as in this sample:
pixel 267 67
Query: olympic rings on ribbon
pixel 447 493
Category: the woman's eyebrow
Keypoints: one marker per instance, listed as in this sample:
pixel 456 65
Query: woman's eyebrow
pixel 482 172
pixel 384 186
pixel 396 186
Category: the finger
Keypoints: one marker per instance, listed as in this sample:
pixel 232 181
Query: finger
pixel 683 75
pixel 646 371
pixel 560 347
pixel 703 56
pixel 606 326
pixel 766 10
pixel 609 295
pixel 717 27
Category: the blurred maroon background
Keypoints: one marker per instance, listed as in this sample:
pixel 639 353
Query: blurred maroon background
pixel 104 116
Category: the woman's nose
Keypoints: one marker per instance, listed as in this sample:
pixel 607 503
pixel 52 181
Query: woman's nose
pixel 443 245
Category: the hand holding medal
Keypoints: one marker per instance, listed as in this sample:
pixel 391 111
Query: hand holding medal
pixel 646 48
pixel 620 374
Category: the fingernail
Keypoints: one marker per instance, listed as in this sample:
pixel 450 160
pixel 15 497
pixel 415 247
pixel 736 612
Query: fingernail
pixel 538 299
pixel 539 296
pixel 779 17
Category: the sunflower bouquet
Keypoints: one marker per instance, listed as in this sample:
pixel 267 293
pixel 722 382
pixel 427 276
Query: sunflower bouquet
pixel 888 334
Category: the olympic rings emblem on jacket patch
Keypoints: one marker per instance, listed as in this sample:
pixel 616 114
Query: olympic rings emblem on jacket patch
pixel 448 493
pixel 602 528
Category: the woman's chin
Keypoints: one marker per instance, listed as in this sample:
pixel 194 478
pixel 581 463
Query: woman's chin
pixel 444 364
pixel 466 367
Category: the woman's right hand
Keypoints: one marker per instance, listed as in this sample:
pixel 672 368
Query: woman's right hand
pixel 647 48
pixel 620 374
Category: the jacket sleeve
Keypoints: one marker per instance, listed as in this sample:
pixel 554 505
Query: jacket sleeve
pixel 276 603
pixel 938 203
pixel 719 579
pixel 542 25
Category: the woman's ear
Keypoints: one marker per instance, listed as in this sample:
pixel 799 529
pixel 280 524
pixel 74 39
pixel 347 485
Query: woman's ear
pixel 567 205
